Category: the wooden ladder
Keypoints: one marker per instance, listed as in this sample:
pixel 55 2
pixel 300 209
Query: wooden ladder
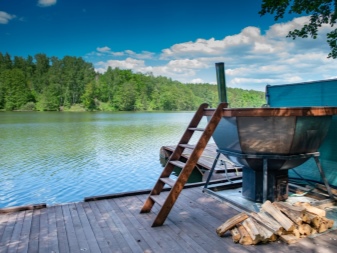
pixel 187 168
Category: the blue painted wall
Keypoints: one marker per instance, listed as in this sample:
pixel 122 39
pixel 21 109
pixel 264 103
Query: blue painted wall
pixel 318 93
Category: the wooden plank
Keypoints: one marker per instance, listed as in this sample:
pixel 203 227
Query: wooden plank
pixel 109 236
pixel 158 234
pixel 189 243
pixel 25 232
pixel 203 221
pixel 3 223
pixel 69 226
pixel 62 238
pixel 209 205
pixel 107 215
pixel 33 246
pixel 22 208
pixel 14 241
pixel 53 245
pixel 79 231
pixel 205 239
pixel 8 230
pixel 43 231
pixel 131 221
pixel 98 233
pixel 86 228
pixel 109 204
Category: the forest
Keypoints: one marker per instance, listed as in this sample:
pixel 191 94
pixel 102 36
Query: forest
pixel 43 83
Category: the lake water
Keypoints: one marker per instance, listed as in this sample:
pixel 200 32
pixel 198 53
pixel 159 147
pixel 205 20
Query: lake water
pixel 53 157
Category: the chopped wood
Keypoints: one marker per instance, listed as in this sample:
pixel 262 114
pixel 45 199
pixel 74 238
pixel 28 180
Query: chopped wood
pixel 296 233
pixel 311 209
pixel 288 238
pixel 266 234
pixel 267 221
pixel 245 237
pixel 291 213
pixel 304 230
pixel 252 229
pixel 323 227
pixel 286 223
pixel 328 221
pixel 230 223
pixel 236 236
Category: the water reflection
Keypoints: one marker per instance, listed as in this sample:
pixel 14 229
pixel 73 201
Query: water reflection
pixel 63 157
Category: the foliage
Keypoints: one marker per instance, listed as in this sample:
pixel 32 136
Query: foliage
pixel 51 84
pixel 320 11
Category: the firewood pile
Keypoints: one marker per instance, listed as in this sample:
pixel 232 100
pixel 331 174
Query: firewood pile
pixel 278 220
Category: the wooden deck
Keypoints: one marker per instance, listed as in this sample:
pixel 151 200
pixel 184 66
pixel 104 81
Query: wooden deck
pixel 206 160
pixel 115 225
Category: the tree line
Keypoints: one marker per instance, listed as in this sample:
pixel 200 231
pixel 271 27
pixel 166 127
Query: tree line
pixel 51 84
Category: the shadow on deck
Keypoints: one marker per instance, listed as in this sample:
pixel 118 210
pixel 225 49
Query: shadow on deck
pixel 115 225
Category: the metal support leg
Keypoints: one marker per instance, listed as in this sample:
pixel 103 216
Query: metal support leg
pixel 212 170
pixel 265 179
pixel 324 178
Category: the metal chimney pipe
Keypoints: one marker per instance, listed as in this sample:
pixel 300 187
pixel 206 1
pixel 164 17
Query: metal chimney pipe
pixel 221 81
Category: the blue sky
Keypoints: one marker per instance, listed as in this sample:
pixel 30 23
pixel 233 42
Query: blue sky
pixel 178 39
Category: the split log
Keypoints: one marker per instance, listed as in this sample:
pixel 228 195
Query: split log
pixel 235 234
pixel 292 212
pixel 245 237
pixel 311 209
pixel 252 229
pixel 328 221
pixel 286 223
pixel 312 219
pixel 322 228
pixel 267 221
pixel 288 238
pixel 266 234
pixel 230 223
pixel 304 230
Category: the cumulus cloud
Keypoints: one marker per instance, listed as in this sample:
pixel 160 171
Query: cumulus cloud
pixel 103 49
pixel 253 58
pixel 5 17
pixel 46 3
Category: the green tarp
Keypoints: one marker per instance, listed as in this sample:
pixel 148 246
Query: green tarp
pixel 318 93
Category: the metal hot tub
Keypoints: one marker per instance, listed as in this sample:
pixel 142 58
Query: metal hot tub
pixel 269 141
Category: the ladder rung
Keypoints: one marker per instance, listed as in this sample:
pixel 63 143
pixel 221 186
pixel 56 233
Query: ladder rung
pixel 159 199
pixel 168 181
pixel 178 164
pixel 187 146
pixel 196 129
pixel 208 111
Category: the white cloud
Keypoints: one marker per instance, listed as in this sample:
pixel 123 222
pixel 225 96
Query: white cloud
pixel 103 49
pixel 5 17
pixel 46 3
pixel 252 59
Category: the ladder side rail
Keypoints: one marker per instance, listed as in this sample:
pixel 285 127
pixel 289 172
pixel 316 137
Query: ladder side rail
pixel 189 166
pixel 159 185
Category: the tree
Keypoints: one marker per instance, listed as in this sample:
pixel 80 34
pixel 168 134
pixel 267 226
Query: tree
pixel 320 11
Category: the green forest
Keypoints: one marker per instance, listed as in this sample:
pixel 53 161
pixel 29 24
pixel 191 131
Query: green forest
pixel 45 83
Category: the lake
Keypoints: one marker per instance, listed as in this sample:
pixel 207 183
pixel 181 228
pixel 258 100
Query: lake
pixel 59 157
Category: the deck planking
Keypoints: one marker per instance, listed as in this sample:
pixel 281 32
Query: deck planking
pixel 115 225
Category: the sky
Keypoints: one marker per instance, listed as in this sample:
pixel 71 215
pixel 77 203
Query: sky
pixel 181 39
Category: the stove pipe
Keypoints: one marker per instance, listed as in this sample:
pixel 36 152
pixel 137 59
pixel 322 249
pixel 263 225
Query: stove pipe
pixel 220 78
